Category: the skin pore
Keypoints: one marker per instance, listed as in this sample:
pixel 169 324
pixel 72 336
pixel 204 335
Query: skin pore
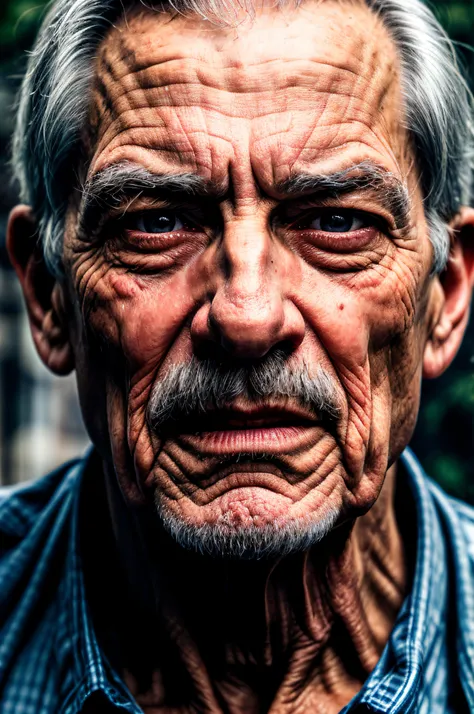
pixel 158 278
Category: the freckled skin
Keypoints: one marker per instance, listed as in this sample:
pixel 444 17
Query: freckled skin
pixel 316 90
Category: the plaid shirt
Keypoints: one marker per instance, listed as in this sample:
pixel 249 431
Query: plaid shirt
pixel 51 662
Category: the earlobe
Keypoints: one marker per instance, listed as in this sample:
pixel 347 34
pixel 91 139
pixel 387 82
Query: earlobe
pixel 43 294
pixel 452 299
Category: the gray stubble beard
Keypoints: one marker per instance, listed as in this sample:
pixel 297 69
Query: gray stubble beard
pixel 249 542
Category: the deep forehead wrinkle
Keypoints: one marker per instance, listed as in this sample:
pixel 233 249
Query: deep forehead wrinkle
pixel 301 94
pixel 132 54
pixel 143 57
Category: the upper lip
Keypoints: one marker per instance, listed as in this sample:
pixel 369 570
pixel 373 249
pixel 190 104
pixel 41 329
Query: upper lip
pixel 248 417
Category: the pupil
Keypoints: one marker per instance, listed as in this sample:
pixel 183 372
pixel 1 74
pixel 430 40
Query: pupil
pixel 158 222
pixel 336 222
pixel 163 223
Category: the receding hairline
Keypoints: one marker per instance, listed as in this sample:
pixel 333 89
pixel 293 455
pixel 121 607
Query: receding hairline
pixel 229 14
pixel 233 16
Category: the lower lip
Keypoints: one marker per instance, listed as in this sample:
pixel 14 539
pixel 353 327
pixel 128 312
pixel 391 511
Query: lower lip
pixel 272 440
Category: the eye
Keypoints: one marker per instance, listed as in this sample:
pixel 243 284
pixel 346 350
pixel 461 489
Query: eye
pixel 336 221
pixel 156 222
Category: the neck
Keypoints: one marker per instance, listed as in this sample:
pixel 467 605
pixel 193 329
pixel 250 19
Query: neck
pixel 257 636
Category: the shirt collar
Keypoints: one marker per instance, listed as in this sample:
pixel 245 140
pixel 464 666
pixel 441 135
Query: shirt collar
pixel 394 684
pixel 90 672
pixel 461 539
pixel 420 632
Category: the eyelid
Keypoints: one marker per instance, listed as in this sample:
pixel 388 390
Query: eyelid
pixel 133 219
pixel 184 215
pixel 300 214
pixel 196 220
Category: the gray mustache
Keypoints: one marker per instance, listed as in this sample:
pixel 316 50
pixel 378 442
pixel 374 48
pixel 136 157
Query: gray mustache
pixel 194 387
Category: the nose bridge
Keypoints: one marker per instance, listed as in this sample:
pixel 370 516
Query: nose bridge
pixel 247 252
pixel 247 310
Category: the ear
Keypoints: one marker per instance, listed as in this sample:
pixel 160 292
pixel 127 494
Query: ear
pixel 44 296
pixel 452 298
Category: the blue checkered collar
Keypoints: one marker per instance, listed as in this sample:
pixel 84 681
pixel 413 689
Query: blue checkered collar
pixel 87 671
pixel 413 649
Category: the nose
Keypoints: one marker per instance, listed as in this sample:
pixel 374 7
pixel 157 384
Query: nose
pixel 248 312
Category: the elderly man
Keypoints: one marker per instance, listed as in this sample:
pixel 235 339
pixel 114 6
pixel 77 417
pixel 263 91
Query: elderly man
pixel 248 231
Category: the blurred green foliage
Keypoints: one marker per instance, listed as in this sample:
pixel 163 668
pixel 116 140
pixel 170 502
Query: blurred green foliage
pixel 19 21
pixel 444 439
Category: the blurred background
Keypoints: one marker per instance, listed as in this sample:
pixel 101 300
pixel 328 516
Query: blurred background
pixel 40 422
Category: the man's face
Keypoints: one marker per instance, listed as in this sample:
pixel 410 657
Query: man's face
pixel 325 284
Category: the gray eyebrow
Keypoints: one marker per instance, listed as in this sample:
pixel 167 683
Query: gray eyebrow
pixel 390 191
pixel 119 180
pixel 111 186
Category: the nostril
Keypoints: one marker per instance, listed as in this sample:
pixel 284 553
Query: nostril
pixel 202 333
pixel 286 347
pixel 213 326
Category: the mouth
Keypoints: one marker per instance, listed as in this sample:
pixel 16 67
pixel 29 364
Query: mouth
pixel 240 419
pixel 252 430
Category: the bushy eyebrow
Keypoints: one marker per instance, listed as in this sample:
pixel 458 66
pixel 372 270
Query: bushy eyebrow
pixel 114 185
pixel 388 190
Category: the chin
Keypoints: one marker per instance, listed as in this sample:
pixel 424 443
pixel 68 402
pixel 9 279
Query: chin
pixel 255 539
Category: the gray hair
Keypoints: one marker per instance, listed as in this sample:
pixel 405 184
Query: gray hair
pixel 54 101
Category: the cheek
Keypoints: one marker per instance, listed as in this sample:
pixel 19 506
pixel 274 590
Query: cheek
pixel 367 326
pixel 132 324
pixel 138 317
pixel 354 314
pixel 404 374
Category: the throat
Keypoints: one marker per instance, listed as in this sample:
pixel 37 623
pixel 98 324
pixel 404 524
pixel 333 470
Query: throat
pixel 258 636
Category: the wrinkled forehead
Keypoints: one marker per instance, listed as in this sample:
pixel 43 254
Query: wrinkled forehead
pixel 285 89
